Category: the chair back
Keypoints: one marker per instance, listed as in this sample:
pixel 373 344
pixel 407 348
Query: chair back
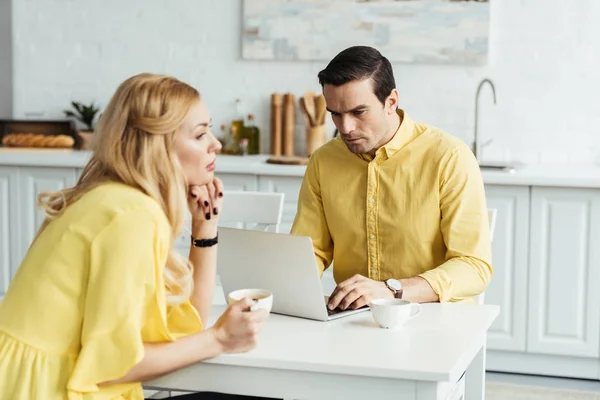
pixel 252 210
pixel 492 221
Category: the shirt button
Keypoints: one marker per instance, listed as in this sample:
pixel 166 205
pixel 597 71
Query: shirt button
pixel 371 200
pixel 371 236
pixel 374 272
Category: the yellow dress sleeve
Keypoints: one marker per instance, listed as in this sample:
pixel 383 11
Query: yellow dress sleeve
pixel 124 260
pixel 310 217
pixel 467 270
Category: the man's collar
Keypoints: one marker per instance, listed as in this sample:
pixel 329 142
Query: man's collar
pixel 404 134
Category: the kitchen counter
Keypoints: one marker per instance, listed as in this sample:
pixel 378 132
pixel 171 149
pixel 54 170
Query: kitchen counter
pixel 562 176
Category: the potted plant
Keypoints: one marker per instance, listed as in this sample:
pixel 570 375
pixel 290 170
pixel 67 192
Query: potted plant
pixel 85 114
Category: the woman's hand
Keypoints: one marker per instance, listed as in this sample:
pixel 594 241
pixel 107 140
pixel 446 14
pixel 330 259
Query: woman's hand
pixel 238 328
pixel 205 206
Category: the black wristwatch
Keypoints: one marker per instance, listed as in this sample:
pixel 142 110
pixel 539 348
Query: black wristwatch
pixel 205 242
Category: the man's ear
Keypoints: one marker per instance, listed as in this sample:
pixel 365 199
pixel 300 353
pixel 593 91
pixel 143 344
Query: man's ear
pixel 391 103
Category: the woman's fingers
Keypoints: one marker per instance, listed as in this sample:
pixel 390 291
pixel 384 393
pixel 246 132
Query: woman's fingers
pixel 219 187
pixel 203 200
pixel 212 196
pixel 218 195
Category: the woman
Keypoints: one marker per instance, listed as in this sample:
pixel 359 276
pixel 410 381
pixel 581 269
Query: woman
pixel 102 301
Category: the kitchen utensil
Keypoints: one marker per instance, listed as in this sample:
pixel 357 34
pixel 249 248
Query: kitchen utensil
pixel 289 123
pixel 321 110
pixel 276 123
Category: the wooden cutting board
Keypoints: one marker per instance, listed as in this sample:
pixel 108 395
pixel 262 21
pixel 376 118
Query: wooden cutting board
pixel 287 160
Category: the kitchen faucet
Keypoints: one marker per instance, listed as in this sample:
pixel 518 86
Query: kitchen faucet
pixel 476 145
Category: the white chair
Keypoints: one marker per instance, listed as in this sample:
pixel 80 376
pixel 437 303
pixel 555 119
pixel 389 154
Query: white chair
pixel 252 210
pixel 492 221
pixel 492 212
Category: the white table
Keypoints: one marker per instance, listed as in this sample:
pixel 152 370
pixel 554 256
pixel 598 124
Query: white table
pixel 430 358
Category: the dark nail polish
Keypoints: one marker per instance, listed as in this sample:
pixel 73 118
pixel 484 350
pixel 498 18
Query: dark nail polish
pixel 216 211
pixel 207 215
pixel 220 194
pixel 205 203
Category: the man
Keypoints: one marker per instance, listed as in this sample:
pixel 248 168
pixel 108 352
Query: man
pixel 399 206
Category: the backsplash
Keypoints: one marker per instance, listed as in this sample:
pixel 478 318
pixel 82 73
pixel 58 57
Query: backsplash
pixel 544 58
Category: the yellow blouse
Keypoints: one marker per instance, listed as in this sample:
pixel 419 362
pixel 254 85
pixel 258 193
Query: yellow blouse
pixel 87 296
pixel 417 208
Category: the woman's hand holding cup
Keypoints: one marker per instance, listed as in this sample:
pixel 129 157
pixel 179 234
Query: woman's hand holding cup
pixel 237 330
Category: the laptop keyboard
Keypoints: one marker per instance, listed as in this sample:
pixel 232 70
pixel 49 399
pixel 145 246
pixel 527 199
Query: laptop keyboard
pixel 338 310
pixel 334 311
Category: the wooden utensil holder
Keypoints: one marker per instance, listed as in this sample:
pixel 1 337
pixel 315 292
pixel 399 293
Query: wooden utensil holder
pixel 315 138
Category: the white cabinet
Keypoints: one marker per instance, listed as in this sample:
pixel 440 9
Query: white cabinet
pixel 9 223
pixel 33 181
pixel 508 287
pixel 290 186
pixel 564 272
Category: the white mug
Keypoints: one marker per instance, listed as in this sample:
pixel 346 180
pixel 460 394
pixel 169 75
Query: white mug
pixel 392 313
pixel 262 298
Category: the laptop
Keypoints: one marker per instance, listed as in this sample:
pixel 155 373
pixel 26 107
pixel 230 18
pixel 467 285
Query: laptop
pixel 283 264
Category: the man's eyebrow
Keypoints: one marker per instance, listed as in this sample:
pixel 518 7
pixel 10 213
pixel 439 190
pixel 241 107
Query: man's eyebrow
pixel 357 108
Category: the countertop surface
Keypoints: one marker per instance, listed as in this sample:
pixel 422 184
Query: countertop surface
pixel 540 175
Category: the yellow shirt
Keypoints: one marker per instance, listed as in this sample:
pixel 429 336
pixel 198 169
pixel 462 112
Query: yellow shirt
pixel 417 209
pixel 86 297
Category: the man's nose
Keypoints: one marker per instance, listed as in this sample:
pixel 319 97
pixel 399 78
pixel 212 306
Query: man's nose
pixel 348 125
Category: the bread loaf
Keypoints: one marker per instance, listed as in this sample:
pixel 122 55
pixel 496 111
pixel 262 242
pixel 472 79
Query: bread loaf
pixel 37 140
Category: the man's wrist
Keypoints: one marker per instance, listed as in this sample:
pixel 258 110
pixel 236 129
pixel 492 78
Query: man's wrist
pixel 395 287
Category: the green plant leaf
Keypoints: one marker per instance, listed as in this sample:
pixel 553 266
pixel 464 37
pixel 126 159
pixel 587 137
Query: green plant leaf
pixel 84 113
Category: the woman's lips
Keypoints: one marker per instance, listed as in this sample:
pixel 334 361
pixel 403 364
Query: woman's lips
pixel 211 167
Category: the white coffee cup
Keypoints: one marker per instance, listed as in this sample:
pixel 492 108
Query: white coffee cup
pixel 392 313
pixel 263 299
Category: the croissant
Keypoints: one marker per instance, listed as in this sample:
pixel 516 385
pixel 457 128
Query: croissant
pixel 37 140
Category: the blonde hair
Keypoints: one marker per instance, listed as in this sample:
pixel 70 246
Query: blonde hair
pixel 135 145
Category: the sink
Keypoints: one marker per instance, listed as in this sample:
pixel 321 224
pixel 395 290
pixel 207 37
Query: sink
pixel 497 167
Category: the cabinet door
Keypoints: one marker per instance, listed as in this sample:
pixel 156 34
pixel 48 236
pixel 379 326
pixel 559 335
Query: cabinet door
pixel 33 181
pixel 9 206
pixel 508 287
pixel 564 299
pixel 290 185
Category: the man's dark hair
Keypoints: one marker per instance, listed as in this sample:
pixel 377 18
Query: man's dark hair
pixel 358 63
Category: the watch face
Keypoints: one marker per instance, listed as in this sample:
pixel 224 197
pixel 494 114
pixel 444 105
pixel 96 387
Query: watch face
pixel 394 284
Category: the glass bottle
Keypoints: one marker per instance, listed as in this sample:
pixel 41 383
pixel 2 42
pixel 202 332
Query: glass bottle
pixel 222 138
pixel 237 126
pixel 252 133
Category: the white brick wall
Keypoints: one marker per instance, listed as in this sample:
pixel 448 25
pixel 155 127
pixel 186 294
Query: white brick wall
pixel 544 59
pixel 5 59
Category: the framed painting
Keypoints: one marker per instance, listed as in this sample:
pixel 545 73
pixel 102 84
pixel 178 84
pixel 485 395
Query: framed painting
pixel 410 31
